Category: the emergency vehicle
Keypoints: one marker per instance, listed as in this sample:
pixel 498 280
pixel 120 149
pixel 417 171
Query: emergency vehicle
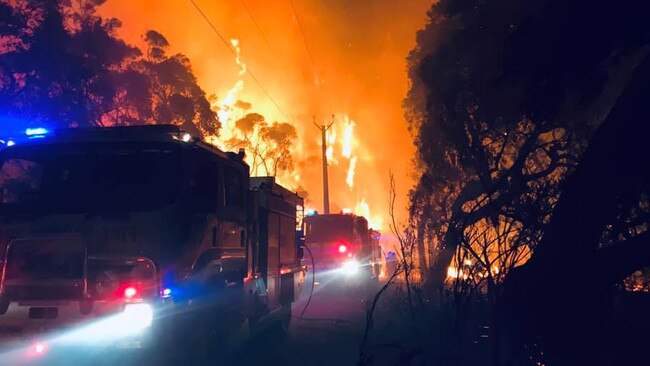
pixel 137 237
pixel 343 243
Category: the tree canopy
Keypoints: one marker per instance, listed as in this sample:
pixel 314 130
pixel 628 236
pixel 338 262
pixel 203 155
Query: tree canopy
pixel 530 123
pixel 269 144
pixel 504 98
pixel 63 65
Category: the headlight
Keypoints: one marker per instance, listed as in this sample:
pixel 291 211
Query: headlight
pixel 350 268
pixel 38 348
pixel 137 315
pixel 132 321
pixel 134 318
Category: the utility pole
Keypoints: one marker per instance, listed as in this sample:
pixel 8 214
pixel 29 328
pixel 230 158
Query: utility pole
pixel 326 191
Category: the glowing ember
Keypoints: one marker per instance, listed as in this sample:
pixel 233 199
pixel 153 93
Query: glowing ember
pixel 452 272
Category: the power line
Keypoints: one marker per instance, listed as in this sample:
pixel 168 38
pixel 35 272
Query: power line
pixel 304 39
pixel 225 42
pixel 214 29
pixel 250 13
pixel 311 57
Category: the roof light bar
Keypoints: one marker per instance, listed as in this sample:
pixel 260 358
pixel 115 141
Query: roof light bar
pixel 38 131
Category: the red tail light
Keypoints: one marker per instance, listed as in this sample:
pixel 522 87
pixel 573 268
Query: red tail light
pixel 343 248
pixel 130 292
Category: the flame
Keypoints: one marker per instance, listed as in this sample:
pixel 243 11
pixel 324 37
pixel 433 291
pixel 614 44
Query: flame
pixel 330 140
pixel 348 144
pixel 350 177
pixel 225 107
pixel 230 109
pixel 242 66
pixel 348 135
pixel 229 113
pixel 363 209
pixel 368 90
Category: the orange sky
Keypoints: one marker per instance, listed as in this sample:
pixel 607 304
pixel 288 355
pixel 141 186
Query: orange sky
pixel 359 71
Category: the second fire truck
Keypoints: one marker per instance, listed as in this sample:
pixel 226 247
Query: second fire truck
pixel 343 243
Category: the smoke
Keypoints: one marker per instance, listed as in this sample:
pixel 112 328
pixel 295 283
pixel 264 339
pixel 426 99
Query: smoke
pixel 351 63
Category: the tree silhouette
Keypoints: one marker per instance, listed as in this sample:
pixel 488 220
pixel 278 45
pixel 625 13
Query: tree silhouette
pixel 524 114
pixel 609 189
pixel 63 65
pixel 505 96
pixel 268 144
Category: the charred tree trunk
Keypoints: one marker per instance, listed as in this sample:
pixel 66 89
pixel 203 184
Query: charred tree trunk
pixel 543 296
pixel 422 252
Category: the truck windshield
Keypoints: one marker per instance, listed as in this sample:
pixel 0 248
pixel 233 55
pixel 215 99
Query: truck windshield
pixel 88 178
pixel 327 228
pixel 43 260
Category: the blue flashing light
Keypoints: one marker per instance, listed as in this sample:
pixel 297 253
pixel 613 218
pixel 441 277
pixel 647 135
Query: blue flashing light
pixel 167 293
pixel 312 213
pixel 38 131
pixel 10 143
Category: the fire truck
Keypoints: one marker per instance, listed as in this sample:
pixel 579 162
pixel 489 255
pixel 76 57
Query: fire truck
pixel 139 237
pixel 343 243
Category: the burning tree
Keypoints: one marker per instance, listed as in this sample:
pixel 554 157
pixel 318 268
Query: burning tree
pixel 269 145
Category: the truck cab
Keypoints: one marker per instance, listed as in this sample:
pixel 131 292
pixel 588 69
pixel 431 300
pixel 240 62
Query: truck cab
pixel 135 216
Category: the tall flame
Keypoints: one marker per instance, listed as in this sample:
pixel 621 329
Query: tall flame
pixel 330 140
pixel 348 144
pixel 242 66
pixel 363 209
pixel 348 135
pixel 225 107
pixel 229 113
pixel 368 89
pixel 349 180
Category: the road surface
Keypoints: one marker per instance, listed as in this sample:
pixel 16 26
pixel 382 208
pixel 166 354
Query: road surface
pixel 328 333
